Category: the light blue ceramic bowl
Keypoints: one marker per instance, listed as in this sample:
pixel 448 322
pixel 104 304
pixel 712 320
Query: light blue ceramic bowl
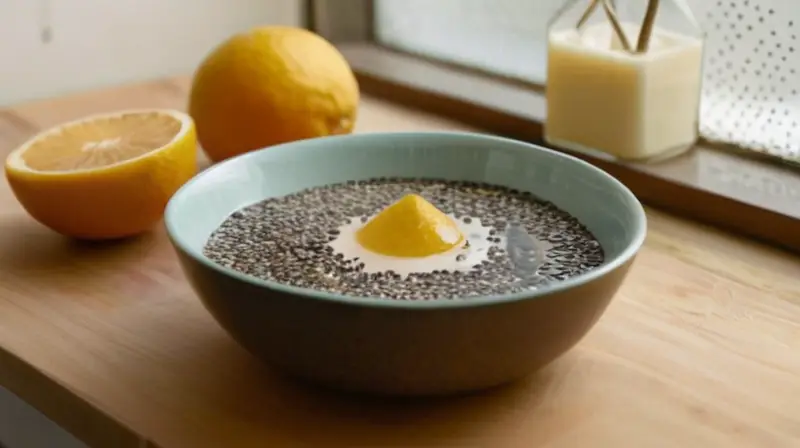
pixel 405 347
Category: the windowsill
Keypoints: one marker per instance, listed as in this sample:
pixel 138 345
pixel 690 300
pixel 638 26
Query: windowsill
pixel 752 197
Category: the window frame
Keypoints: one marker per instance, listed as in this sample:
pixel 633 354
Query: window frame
pixel 720 185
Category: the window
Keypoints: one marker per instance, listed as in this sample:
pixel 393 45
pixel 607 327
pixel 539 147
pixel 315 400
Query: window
pixel 505 37
pixel 751 95
pixel 484 62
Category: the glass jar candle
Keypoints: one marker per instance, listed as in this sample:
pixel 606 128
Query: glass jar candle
pixel 624 77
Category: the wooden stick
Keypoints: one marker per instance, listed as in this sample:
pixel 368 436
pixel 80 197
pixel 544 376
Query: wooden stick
pixel 612 17
pixel 586 14
pixel 646 30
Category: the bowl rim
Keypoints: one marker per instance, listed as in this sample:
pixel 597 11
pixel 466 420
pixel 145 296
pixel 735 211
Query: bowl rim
pixel 639 232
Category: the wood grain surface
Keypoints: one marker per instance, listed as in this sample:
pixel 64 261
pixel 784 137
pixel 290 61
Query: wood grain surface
pixel 701 348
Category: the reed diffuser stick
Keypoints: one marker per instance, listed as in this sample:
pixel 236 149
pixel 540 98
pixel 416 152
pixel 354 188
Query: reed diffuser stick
pixel 587 13
pixel 646 30
pixel 612 17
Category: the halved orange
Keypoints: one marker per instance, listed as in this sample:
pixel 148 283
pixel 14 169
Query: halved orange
pixel 105 176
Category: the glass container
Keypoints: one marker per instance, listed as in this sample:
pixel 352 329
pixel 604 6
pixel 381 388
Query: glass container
pixel 624 78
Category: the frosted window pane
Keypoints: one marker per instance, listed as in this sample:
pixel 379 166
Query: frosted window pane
pixel 751 91
pixel 501 36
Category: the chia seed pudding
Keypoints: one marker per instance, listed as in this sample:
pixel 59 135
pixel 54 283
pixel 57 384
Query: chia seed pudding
pixel 287 240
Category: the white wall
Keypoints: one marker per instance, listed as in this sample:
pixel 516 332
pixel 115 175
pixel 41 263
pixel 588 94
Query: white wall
pixel 95 43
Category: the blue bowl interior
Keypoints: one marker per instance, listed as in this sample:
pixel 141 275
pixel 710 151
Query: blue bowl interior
pixel 604 205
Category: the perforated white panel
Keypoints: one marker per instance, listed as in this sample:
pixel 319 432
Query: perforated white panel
pixel 751 94
pixel 752 60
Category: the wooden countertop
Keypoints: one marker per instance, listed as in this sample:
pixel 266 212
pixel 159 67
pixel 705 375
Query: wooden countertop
pixel 701 348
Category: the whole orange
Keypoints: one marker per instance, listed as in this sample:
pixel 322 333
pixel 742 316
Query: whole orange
pixel 271 85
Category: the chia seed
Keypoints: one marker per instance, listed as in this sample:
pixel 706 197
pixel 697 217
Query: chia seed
pixel 285 239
